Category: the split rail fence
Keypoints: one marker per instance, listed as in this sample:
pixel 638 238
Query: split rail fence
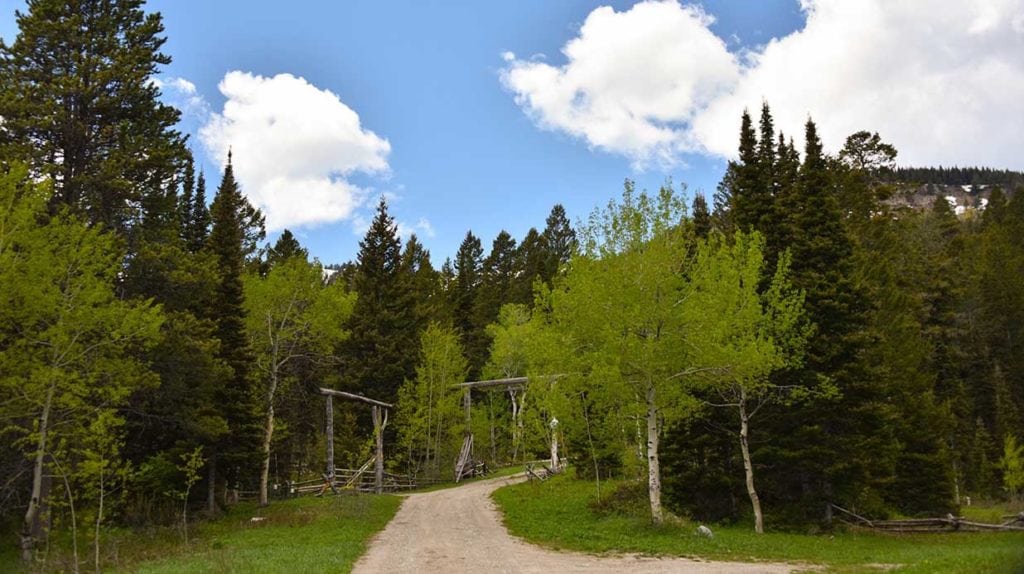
pixel 948 524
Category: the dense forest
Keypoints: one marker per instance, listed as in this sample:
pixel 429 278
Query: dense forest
pixel 795 343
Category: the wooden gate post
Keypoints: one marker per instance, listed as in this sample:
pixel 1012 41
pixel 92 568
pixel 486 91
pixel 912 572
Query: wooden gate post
pixel 378 435
pixel 329 417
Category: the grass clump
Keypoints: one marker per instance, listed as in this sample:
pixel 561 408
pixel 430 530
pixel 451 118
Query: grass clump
pixel 563 513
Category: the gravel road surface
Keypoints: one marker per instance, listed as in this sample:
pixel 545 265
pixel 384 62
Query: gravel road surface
pixel 459 530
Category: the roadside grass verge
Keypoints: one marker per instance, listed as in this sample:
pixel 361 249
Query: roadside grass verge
pixel 557 514
pixel 299 535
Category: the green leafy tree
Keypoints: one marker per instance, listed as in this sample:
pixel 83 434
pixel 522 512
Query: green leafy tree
pixel 291 316
pixel 745 334
pixel 430 422
pixel 1013 466
pixel 71 360
pixel 619 307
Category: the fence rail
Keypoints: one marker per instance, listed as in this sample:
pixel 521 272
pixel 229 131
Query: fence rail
pixel 949 523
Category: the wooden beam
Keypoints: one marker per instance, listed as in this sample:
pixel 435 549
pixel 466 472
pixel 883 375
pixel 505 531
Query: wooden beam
pixel 329 431
pixel 352 397
pixel 511 382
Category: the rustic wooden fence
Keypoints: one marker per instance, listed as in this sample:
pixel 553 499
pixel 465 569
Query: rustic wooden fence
pixel 917 525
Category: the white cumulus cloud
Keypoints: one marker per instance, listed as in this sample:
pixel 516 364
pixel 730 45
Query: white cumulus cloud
pixel 942 81
pixel 294 146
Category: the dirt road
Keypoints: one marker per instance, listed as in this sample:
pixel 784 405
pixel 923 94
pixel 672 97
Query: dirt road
pixel 459 530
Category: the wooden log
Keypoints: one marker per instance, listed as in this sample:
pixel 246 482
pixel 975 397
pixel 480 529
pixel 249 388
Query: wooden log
pixel 353 397
pixel 378 434
pixel 329 418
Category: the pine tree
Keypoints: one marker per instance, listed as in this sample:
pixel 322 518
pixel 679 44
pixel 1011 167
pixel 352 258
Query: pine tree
pixel 425 286
pixel 498 276
pixel 468 278
pixel 376 358
pixel 701 217
pixel 559 240
pixel 531 260
pixel 188 197
pixel 286 247
pixel 199 219
pixel 232 216
pixel 748 200
pixel 79 105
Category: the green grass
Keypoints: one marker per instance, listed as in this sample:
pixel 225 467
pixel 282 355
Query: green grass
pixel 556 514
pixel 300 535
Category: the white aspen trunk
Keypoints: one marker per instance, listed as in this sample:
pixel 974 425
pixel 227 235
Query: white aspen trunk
pixel 653 463
pixel 554 449
pixel 31 523
pixel 99 520
pixel 748 467
pixel 268 436
pixel 515 425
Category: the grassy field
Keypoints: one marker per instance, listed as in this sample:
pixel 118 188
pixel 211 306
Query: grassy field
pixel 557 514
pixel 301 535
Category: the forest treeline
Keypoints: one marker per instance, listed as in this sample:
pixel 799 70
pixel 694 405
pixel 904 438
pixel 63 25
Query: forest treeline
pixel 794 344
pixel 1007 179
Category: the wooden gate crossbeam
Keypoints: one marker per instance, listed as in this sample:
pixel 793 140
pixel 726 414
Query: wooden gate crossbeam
pixel 380 421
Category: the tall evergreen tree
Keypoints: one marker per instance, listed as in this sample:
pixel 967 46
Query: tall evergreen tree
pixel 425 288
pixel 498 276
pixel 559 240
pixel 286 247
pixel 377 357
pixel 79 105
pixel 531 260
pixel 198 229
pixel 468 278
pixel 701 217
pixel 233 219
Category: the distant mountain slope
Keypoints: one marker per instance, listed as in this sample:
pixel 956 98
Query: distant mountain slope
pixel 967 189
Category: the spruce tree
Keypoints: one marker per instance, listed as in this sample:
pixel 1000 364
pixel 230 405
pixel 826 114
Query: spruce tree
pixel 530 256
pixel 468 278
pixel 424 282
pixel 701 217
pixel 79 105
pixel 199 220
pixel 232 217
pixel 377 357
pixel 559 240
pixel 498 276
pixel 286 247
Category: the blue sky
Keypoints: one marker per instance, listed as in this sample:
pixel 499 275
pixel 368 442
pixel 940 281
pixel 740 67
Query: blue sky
pixel 475 140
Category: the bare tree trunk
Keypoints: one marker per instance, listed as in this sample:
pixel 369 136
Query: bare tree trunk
pixel 99 520
pixel 30 527
pixel 268 436
pixel 211 487
pixel 748 467
pixel 653 463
